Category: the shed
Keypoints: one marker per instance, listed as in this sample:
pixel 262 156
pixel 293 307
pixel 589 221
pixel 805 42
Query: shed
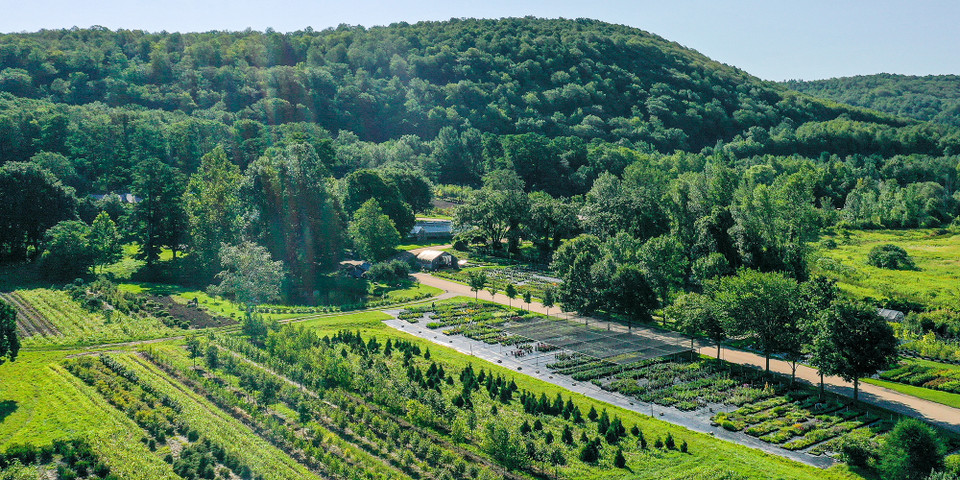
pixel 123 197
pixel 436 259
pixel 891 315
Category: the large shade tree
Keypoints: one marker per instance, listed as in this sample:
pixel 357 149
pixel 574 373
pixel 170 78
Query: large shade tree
pixel 31 201
pixel 373 233
pixel 362 185
pixel 862 341
pixel 249 274
pixel 67 251
pixel 295 217
pixel 696 314
pixel 159 218
pixel 105 241
pixel 763 306
pixel 214 207
pixel 496 211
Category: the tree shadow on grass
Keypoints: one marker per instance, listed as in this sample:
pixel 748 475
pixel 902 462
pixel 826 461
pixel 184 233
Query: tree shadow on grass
pixel 7 407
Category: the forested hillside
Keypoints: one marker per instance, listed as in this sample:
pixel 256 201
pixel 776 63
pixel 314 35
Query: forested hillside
pixel 933 98
pixel 564 127
pixel 109 100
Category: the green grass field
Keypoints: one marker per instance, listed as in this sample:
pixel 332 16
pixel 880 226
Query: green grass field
pixel 949 399
pixel 939 396
pixel 936 283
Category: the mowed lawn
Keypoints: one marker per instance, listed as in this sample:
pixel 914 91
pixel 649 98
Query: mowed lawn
pixel 709 458
pixel 936 283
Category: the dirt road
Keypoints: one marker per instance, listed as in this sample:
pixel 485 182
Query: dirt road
pixel 935 413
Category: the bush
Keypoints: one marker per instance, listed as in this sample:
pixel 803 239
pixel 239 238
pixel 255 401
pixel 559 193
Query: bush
pixel 857 452
pixel 911 452
pixel 891 257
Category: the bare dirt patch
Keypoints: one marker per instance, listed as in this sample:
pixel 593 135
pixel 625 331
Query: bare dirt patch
pixel 196 316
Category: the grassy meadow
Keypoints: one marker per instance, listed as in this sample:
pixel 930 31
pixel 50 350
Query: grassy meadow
pixel 935 283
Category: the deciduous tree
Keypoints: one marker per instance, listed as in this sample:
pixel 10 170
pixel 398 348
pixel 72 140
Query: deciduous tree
pixel 105 241
pixel 760 305
pixel 249 274
pixel 863 341
pixel 373 233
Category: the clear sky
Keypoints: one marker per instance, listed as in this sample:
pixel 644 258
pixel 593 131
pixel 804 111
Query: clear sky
pixel 772 39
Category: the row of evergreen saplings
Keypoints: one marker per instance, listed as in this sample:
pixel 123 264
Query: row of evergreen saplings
pixel 68 459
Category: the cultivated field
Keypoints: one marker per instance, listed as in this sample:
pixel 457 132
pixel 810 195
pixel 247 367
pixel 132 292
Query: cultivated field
pixel 764 406
pixel 340 397
pixel 48 317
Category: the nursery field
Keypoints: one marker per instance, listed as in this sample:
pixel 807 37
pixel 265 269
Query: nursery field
pixel 936 283
pixel 525 279
pixel 765 406
pixel 338 397
pixel 938 382
pixel 527 331
pixel 48 318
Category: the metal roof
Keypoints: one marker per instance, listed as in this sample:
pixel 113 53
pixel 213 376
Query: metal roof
pixel 430 255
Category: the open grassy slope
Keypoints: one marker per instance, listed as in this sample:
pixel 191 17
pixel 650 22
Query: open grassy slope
pixel 936 282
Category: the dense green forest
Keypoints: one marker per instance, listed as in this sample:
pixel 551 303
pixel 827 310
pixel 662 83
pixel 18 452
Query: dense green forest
pixel 931 98
pixel 554 128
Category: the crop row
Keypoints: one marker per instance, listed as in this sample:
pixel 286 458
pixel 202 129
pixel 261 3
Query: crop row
pixel 918 375
pixel 800 421
pixel 302 427
pixel 159 415
pixel 76 325
pixel 444 406
pixel 238 440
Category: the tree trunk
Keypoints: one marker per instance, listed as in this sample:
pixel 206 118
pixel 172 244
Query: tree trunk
pixel 856 388
pixel 767 356
pixel 793 374
pixel 821 385
pixel 718 350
